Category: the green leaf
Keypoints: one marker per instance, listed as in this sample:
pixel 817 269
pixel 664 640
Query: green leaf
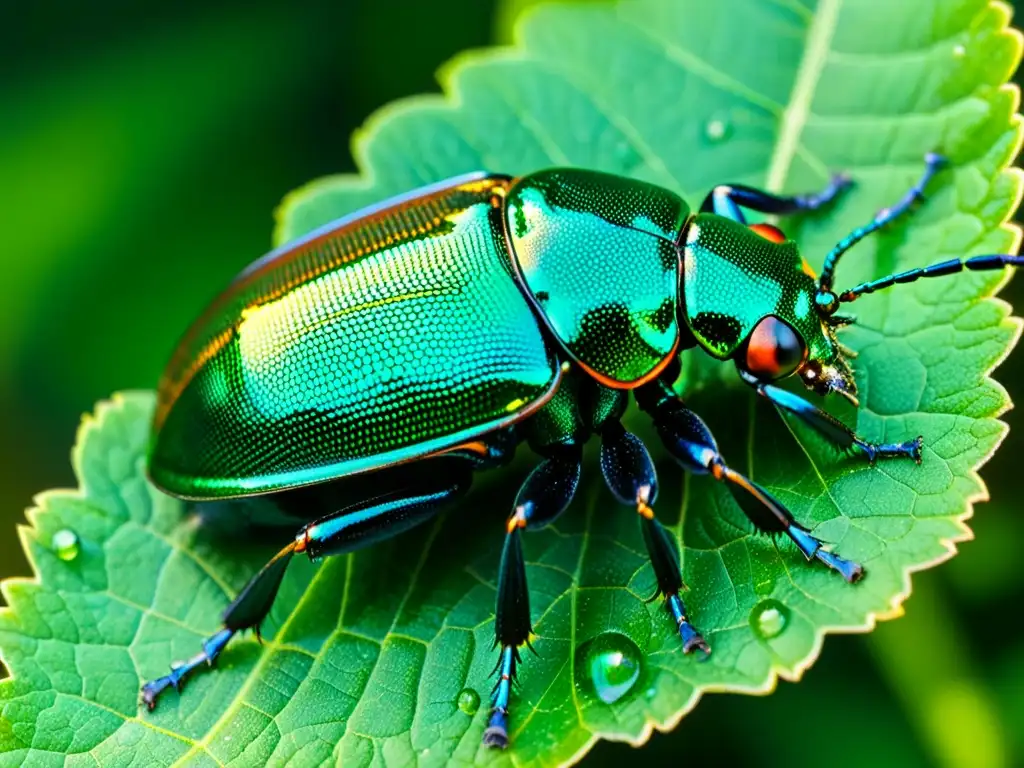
pixel 367 654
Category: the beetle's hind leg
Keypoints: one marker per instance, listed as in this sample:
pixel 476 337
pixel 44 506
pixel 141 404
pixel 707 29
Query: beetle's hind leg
pixel 354 526
pixel 691 443
pixel 631 477
pixel 545 494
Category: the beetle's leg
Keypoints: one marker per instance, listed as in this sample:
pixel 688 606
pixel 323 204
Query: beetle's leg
pixel 832 429
pixel 631 477
pixel 691 443
pixel 545 494
pixel 348 529
pixel 729 199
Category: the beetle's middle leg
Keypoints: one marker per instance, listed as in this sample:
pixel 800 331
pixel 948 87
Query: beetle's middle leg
pixel 834 430
pixel 631 477
pixel 729 200
pixel 691 443
pixel 355 526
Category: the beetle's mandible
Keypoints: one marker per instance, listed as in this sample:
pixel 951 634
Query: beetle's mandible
pixel 374 366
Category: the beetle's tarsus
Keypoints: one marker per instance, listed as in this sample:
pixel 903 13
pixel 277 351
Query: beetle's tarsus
pixel 692 639
pixel 852 572
pixel 909 449
pixel 496 735
pixel 837 184
pixel 180 670
pixel 813 549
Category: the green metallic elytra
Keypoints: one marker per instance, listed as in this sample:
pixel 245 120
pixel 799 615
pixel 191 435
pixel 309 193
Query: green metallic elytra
pixel 396 333
pixel 734 277
pixel 598 255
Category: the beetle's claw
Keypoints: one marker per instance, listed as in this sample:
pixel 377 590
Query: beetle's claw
pixel 693 640
pixel 842 180
pixel 496 735
pixel 150 691
pixel 849 570
pixel 915 448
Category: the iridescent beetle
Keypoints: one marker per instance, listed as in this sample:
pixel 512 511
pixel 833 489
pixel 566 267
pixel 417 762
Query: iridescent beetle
pixel 376 364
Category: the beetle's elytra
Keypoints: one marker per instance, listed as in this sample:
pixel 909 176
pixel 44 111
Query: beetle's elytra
pixel 399 350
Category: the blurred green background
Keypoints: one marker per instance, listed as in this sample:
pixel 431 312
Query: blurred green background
pixel 142 151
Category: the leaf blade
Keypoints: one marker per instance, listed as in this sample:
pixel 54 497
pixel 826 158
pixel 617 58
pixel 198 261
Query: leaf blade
pixel 367 660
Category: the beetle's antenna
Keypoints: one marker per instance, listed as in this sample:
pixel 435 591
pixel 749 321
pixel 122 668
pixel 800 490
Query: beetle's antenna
pixel 950 267
pixel 826 299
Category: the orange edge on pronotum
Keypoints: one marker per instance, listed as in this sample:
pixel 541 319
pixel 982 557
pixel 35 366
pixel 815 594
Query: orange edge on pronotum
pixel 648 377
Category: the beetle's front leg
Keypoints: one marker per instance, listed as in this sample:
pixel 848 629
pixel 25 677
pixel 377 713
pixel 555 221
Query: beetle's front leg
pixel 831 428
pixel 729 199
pixel 691 444
pixel 343 531
pixel 545 494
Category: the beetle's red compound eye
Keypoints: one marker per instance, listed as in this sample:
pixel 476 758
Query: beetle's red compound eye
pixel 774 349
pixel 769 232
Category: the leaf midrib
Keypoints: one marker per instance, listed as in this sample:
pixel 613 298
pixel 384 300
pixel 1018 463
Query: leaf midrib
pixel 794 117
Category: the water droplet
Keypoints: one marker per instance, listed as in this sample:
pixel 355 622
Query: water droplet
pixel 611 665
pixel 959 51
pixel 768 618
pixel 468 701
pixel 65 544
pixel 717 130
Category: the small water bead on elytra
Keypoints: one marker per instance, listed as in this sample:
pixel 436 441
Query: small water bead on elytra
pixel 769 618
pixel 468 701
pixel 717 130
pixel 65 544
pixel 611 665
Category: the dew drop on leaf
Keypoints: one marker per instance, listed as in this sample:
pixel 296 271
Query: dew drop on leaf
pixel 769 618
pixel 959 51
pixel 611 664
pixel 717 130
pixel 65 544
pixel 468 701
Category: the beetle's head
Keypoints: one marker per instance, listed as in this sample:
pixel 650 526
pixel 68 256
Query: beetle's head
pixel 775 349
pixel 749 296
